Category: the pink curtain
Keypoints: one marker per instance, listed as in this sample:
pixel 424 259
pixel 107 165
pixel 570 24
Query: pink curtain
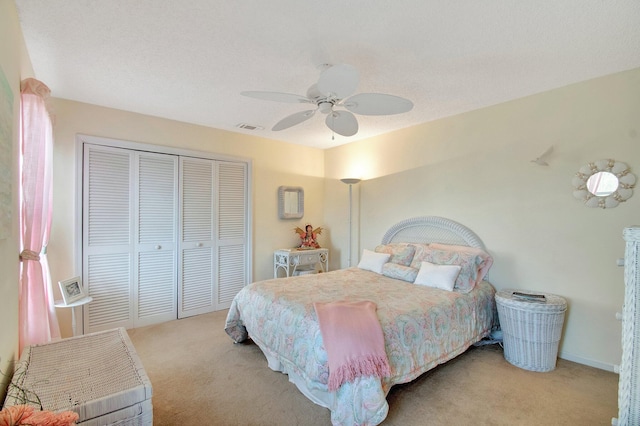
pixel 37 316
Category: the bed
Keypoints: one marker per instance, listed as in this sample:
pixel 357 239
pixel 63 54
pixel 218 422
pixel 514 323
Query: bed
pixel 422 325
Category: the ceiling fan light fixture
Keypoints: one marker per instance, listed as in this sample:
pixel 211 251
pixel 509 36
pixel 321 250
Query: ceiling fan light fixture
pixel 325 107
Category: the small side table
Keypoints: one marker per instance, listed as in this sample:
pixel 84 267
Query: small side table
pixel 289 260
pixel 531 330
pixel 73 306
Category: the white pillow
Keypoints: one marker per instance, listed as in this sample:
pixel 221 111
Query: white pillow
pixel 438 276
pixel 372 261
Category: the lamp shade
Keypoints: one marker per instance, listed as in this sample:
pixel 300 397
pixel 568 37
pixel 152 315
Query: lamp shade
pixel 350 181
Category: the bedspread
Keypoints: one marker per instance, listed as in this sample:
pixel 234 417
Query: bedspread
pixel 422 326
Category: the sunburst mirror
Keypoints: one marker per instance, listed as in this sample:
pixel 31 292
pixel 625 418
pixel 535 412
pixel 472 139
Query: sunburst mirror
pixel 604 183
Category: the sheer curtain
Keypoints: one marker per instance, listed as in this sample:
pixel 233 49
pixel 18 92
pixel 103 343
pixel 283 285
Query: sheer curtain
pixel 37 317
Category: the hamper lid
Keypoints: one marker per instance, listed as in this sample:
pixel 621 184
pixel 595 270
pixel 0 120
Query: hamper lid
pixel 550 301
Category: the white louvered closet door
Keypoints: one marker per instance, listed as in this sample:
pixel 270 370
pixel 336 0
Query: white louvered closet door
pixel 156 196
pixel 214 238
pixel 232 236
pixel 196 267
pixel 107 230
pixel 129 237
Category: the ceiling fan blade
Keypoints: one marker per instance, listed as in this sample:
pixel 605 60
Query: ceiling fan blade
pixel 340 81
pixel 293 119
pixel 277 96
pixel 342 122
pixel 377 104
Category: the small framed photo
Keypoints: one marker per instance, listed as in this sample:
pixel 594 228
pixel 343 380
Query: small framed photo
pixel 72 290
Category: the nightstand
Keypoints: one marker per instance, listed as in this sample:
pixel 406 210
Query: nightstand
pixel 293 260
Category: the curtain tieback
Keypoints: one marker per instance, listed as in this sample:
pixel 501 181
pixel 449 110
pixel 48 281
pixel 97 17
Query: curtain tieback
pixel 29 255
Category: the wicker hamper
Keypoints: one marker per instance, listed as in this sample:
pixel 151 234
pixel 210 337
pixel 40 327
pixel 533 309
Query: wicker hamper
pixel 531 330
pixel 98 375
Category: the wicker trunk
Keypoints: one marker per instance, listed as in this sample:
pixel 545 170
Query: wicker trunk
pixel 98 375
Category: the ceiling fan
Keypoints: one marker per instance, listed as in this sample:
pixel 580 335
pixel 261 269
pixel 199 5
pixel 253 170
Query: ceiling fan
pixel 335 85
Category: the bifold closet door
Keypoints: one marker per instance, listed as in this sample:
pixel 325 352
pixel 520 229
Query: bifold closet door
pixel 129 237
pixel 233 235
pixel 156 238
pixel 212 265
pixel 196 271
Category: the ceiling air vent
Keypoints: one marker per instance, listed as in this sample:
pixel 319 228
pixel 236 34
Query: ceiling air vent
pixel 249 126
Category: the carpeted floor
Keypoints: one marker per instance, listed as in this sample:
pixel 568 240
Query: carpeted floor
pixel 200 377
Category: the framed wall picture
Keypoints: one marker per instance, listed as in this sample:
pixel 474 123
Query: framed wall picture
pixel 72 290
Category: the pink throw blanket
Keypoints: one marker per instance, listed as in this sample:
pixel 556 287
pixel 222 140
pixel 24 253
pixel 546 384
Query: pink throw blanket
pixel 353 339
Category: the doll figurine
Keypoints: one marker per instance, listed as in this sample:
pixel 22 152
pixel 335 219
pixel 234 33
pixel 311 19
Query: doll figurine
pixel 308 236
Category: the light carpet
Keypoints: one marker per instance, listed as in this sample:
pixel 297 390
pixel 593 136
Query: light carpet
pixel 200 377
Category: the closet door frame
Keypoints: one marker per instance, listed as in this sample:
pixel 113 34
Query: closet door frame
pixel 81 140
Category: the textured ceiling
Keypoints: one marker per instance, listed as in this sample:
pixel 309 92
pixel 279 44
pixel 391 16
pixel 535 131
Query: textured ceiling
pixel 189 60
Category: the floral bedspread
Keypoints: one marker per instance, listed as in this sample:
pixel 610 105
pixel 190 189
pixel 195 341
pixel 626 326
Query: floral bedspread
pixel 423 327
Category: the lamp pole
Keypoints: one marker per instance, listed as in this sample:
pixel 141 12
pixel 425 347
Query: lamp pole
pixel 350 182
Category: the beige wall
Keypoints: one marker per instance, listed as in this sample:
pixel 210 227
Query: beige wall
pixel 274 164
pixel 476 168
pixel 15 65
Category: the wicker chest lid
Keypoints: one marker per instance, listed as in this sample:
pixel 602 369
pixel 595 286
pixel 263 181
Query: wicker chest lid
pixel 92 375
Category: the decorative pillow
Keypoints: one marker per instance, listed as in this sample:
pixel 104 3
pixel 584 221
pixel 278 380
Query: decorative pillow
pixel 401 253
pixel 438 276
pixel 469 263
pixel 484 262
pixel 372 261
pixel 399 272
pixel 421 253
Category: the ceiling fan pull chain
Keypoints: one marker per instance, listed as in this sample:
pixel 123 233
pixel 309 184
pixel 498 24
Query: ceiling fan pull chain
pixel 333 133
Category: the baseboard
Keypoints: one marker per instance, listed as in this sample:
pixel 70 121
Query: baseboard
pixel 587 361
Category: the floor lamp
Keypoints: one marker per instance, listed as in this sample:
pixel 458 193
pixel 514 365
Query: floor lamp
pixel 350 182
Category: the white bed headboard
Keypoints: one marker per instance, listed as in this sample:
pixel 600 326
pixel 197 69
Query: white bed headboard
pixel 432 229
